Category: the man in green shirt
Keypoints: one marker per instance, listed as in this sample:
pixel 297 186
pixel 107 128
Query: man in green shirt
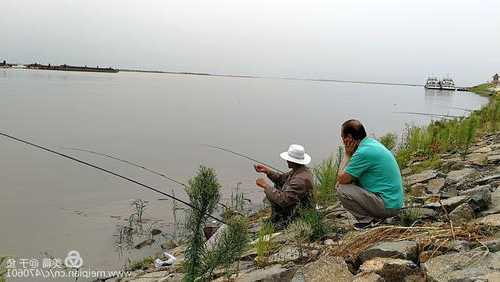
pixel 370 186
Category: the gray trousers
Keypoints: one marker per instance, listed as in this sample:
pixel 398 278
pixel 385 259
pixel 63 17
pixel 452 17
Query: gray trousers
pixel 363 205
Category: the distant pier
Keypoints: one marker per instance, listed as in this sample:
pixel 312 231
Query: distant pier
pixel 71 68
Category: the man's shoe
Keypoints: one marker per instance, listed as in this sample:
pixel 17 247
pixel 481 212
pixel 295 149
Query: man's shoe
pixel 362 225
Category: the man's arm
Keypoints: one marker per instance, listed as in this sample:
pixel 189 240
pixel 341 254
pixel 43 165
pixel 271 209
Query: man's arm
pixel 345 178
pixel 277 178
pixel 290 194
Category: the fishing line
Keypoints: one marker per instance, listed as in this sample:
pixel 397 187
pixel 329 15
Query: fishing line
pixel 133 164
pixel 429 114
pixel 242 155
pixel 104 170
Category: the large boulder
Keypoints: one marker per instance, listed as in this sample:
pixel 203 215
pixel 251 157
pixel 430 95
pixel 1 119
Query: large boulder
pixel 368 277
pixel 465 266
pixel 326 268
pixel 391 269
pixel 420 177
pixel 268 274
pixel 458 176
pixel 398 249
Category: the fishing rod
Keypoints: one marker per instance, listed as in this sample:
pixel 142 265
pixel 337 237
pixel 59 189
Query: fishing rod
pixel 133 164
pixel 104 170
pixel 242 155
pixel 127 162
pixel 428 114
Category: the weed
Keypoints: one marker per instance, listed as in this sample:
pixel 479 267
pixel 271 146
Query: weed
pixel 389 141
pixel 264 243
pixel 141 265
pixel 315 220
pixel 300 233
pixel 410 215
pixel 325 176
pixel 3 268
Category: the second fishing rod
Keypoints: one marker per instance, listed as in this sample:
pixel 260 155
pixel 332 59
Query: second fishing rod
pixel 164 175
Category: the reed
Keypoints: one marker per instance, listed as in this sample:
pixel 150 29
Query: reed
pixel 325 177
pixel 264 244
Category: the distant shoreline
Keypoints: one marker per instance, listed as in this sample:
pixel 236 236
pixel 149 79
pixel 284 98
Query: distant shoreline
pixel 113 70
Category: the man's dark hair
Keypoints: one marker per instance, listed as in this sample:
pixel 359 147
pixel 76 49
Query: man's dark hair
pixel 354 128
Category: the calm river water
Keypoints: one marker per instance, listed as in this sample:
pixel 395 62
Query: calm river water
pixel 49 205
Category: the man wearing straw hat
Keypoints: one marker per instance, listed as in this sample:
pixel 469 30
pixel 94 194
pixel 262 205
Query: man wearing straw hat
pixel 291 190
pixel 370 187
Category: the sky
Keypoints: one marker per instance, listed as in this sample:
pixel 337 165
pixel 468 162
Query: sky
pixel 383 40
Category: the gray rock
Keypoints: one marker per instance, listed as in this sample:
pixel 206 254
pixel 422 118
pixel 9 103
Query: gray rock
pixel 286 254
pixel 457 165
pixel 368 277
pixel 488 179
pixel 495 203
pixel 420 177
pixel 462 214
pixel 268 274
pixel 418 190
pixel 327 268
pixel 480 197
pixel 434 186
pixel 493 245
pixel 391 269
pixel 400 249
pixel 457 176
pixel 491 220
pixel 144 243
pixel 493 159
pixel 465 266
pixel 329 242
pixel 484 149
pixel 406 171
pixel 477 159
pixel 425 212
pixel 449 204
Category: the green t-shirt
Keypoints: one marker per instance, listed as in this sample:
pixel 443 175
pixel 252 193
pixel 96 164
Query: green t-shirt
pixel 377 171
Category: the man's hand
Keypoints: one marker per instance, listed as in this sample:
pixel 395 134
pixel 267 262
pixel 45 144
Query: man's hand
pixel 350 146
pixel 261 168
pixel 262 183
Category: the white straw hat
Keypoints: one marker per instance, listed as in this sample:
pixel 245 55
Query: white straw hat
pixel 296 154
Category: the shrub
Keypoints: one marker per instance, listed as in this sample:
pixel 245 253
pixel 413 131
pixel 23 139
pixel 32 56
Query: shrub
pixel 203 193
pixel 314 219
pixel 229 247
pixel 200 263
pixel 3 268
pixel 389 141
pixel 325 177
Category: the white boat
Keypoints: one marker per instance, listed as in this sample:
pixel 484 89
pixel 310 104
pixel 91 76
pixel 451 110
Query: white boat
pixel 447 84
pixel 19 67
pixel 432 83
